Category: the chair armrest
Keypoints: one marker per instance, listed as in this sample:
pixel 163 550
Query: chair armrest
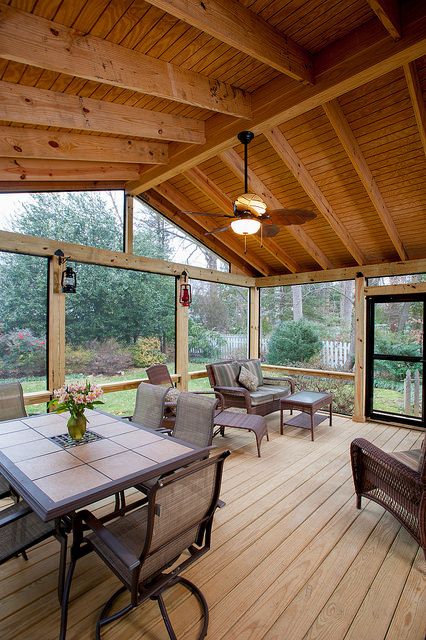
pixel 271 380
pixel 129 559
pixel 235 391
pixel 14 512
pixel 396 469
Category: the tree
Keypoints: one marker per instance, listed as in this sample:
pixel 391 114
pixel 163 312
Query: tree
pixel 294 342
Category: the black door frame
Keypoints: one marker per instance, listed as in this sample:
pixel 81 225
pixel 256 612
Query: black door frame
pixel 371 357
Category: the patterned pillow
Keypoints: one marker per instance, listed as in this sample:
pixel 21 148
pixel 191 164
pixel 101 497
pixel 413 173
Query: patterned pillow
pixel 172 396
pixel 247 379
pixel 225 374
pixel 255 368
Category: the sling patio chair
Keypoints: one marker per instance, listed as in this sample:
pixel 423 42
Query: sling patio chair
pixel 149 406
pixel 142 546
pixel 11 406
pixel 396 481
pixel 20 529
pixel 159 374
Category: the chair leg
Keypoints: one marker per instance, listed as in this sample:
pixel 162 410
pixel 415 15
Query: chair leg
pixel 202 601
pixel 65 599
pixel 358 501
pixel 165 616
pixel 104 618
pixel 24 555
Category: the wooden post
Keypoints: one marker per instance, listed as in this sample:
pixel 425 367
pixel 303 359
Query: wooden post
pixel 407 392
pixel 360 333
pixel 128 224
pixel 417 392
pixel 254 330
pixel 56 322
pixel 182 355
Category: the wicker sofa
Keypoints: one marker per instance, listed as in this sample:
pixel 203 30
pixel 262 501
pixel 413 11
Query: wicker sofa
pixel 266 399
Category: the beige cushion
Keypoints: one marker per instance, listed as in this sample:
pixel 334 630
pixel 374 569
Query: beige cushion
pixel 278 392
pixel 409 458
pixel 260 397
pixel 172 395
pixel 247 379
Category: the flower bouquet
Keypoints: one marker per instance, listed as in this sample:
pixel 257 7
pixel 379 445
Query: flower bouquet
pixel 75 398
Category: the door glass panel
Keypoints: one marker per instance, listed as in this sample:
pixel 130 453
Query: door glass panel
pixel 397 387
pixel 398 328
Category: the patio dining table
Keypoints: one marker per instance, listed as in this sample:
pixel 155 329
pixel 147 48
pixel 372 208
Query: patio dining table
pixel 56 479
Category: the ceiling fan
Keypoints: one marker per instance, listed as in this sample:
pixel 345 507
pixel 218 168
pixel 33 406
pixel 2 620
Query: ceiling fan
pixel 250 214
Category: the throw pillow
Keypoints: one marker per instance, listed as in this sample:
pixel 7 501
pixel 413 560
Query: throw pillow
pixel 172 396
pixel 247 379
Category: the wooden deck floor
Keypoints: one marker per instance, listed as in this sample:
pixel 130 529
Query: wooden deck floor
pixel 292 558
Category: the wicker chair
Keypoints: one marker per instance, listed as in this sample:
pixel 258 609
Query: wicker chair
pixel 20 529
pixel 11 406
pixel 397 481
pixel 141 546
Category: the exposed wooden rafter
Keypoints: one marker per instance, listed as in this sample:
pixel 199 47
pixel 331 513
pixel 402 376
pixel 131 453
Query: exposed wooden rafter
pixel 18 142
pixel 363 55
pixel 52 46
pixel 236 165
pixel 230 22
pixel 59 170
pixel 389 15
pixel 189 225
pixel 308 184
pixel 225 204
pixel 416 95
pixel 50 108
pixel 183 203
pixel 353 150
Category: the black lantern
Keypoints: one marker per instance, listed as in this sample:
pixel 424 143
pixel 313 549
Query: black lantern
pixel 185 294
pixel 69 277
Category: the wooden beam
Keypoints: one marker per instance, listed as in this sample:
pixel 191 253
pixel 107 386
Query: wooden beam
pixel 254 330
pixel 231 22
pixel 225 204
pixel 20 243
pixel 359 163
pixel 360 358
pixel 301 371
pixel 388 13
pixel 236 245
pixel 236 165
pixel 182 346
pixel 308 184
pixel 56 322
pixel 49 108
pixel 164 205
pixel 345 273
pixel 19 142
pixel 58 170
pixel 416 95
pixel 52 46
pixel 396 289
pixel 363 55
pixel 89 185
pixel 128 225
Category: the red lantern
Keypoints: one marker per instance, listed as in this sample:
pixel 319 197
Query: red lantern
pixel 185 294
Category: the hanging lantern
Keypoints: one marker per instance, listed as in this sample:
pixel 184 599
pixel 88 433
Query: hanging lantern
pixel 185 294
pixel 69 277
pixel 69 280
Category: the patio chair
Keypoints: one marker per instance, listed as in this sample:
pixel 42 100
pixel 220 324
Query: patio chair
pixel 159 374
pixel 149 406
pixel 20 529
pixel 11 406
pixel 141 546
pixel 397 481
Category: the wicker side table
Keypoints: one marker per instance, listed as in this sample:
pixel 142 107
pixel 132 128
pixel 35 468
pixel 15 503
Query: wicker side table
pixel 308 402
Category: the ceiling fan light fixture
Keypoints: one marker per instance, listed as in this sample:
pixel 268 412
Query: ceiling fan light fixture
pixel 245 226
pixel 250 202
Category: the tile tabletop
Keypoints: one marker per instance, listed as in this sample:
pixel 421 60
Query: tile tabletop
pixel 55 481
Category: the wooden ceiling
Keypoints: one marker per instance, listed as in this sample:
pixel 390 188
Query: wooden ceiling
pixel 150 95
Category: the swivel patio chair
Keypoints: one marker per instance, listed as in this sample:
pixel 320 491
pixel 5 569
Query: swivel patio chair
pixel 397 481
pixel 11 406
pixel 141 546
pixel 149 406
pixel 20 529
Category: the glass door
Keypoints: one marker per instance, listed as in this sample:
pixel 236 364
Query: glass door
pixel 396 358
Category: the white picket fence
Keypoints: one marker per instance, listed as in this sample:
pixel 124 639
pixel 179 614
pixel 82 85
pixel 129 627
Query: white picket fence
pixel 412 394
pixel 334 354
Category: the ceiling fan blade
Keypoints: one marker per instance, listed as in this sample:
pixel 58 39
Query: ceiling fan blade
pixel 204 213
pixel 269 230
pixel 291 216
pixel 219 230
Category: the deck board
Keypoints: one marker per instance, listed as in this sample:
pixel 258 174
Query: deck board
pixel 291 559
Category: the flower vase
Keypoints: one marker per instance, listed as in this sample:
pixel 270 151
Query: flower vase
pixel 77 426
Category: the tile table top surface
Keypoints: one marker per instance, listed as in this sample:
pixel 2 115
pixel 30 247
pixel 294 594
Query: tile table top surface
pixel 56 481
